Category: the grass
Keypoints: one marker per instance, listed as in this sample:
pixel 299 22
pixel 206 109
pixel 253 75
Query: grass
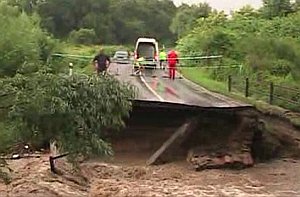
pixel 84 64
pixel 91 50
pixel 203 78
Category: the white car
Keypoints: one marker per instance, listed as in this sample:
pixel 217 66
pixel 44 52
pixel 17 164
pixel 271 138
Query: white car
pixel 147 48
pixel 121 57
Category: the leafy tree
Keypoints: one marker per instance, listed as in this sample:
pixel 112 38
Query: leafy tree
pixel 263 45
pixel 133 19
pixel 246 11
pixel 186 16
pixel 22 40
pixel 200 37
pixel 78 112
pixel 83 36
pixel 296 5
pixel 114 21
pixel 273 8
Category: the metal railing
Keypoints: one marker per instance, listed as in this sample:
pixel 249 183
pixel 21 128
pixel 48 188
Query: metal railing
pixel 271 92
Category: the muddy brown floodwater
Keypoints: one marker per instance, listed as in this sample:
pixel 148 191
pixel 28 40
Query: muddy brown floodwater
pixel 129 176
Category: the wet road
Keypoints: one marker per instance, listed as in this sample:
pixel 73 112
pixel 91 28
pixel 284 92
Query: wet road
pixel 154 85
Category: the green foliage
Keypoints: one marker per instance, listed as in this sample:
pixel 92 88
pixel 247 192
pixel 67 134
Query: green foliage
pixel 281 68
pixel 114 21
pixel 7 137
pixel 267 49
pixel 203 78
pixel 259 43
pixel 22 40
pixel 186 16
pixel 77 112
pixel 83 36
pixel 273 8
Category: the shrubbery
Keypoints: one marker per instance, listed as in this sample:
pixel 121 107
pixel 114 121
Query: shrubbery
pixel 249 40
pixel 22 40
pixel 75 111
pixel 83 36
pixel 267 49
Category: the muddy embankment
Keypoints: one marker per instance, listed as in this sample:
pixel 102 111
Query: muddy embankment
pixel 219 138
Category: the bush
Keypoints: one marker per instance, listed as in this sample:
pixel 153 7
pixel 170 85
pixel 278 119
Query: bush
pixel 75 111
pixel 83 36
pixel 281 68
pixel 22 40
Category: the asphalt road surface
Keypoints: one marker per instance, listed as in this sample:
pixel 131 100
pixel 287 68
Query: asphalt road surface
pixel 154 85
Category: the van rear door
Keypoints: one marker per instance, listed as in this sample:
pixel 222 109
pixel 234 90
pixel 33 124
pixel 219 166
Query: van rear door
pixel 146 50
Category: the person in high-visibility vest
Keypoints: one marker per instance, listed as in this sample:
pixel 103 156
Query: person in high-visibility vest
pixel 162 58
pixel 139 65
pixel 172 61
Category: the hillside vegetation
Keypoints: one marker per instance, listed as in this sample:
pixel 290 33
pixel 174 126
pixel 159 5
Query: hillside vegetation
pixel 264 44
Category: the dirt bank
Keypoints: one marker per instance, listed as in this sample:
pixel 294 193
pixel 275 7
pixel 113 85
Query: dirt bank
pixel 127 175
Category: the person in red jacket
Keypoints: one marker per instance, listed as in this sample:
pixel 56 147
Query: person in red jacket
pixel 172 61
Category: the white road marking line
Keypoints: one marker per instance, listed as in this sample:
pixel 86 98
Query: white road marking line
pixel 151 89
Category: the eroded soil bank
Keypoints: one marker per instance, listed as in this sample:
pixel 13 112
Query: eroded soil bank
pixel 275 148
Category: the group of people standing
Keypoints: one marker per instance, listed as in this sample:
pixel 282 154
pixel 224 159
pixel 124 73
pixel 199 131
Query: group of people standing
pixel 102 61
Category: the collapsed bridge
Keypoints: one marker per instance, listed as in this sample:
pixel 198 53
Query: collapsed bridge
pixel 178 119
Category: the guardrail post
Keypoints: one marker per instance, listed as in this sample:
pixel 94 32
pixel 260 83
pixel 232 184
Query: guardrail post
pixel 70 69
pixel 271 96
pixel 247 87
pixel 229 83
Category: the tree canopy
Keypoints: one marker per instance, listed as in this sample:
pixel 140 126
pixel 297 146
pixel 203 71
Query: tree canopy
pixel 186 16
pixel 114 21
pixel 22 40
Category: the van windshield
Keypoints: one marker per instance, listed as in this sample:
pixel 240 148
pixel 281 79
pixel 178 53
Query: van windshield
pixel 146 50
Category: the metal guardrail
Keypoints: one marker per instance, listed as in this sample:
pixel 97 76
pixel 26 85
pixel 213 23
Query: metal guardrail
pixel 267 89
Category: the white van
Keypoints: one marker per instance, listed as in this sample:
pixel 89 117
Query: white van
pixel 147 48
